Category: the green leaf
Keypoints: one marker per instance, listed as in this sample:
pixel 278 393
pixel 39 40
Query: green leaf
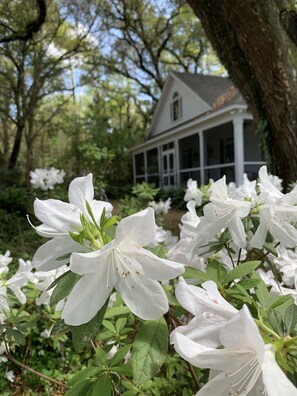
pixel 102 387
pixel 262 293
pixel 290 318
pixel 82 335
pixel 280 300
pixel 270 248
pixel 84 374
pixel 120 324
pixel 64 287
pixel 109 223
pixel 117 311
pixel 149 350
pixel 108 325
pixel 57 280
pixel 159 251
pixel 241 270
pixel 191 272
pixel 80 388
pixel 275 321
pixel 101 356
pixel 119 355
pixel 124 369
pixel 249 283
pixel 60 327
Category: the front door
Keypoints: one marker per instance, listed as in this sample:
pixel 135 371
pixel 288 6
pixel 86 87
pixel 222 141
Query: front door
pixel 168 169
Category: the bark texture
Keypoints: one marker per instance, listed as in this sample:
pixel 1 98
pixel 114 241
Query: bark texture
pixel 254 41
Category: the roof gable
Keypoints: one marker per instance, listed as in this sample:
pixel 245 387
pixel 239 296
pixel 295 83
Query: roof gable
pixel 200 94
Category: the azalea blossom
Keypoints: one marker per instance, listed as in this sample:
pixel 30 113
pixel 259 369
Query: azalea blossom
pixel 161 207
pixel 245 366
pixel 211 312
pixel 59 218
pixel 46 179
pixel 193 192
pixel 5 260
pixel 125 265
pixel 222 212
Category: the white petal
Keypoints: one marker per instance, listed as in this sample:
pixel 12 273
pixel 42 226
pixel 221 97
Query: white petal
pixel 241 332
pixel 219 190
pixel 260 236
pixel 197 300
pixel 99 262
pixel 237 232
pixel 59 215
pixel 45 259
pixel 203 329
pixel 218 386
pixel 205 357
pixel 81 190
pixel 85 300
pixel 155 267
pixel 97 209
pixel 48 232
pixel 139 227
pixel 145 297
pixel 286 233
pixel 275 381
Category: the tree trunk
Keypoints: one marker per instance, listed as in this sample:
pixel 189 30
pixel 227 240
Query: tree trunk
pixel 254 45
pixel 16 147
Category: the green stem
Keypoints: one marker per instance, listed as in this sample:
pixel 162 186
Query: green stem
pixel 266 329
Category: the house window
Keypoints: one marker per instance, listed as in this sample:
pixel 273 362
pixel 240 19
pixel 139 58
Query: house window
pixel 176 110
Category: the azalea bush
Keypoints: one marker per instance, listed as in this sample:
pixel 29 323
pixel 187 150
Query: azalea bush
pixel 211 313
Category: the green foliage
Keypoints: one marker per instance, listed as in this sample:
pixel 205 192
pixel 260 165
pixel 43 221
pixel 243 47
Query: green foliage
pixel 142 194
pixel 149 350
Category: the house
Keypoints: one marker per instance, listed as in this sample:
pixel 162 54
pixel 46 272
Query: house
pixel 201 129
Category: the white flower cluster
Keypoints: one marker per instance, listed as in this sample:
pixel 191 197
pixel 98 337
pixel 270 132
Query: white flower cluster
pixel 20 279
pixel 253 219
pixel 46 179
pixel 161 207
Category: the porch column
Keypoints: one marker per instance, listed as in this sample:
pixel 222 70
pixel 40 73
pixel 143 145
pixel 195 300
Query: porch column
pixel 201 153
pixel 134 170
pixel 238 148
pixel 177 165
pixel 145 166
pixel 160 169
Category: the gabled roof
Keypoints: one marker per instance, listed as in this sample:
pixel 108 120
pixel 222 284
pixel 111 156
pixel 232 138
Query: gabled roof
pixel 215 91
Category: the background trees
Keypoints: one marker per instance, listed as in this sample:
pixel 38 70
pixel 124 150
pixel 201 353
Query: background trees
pixel 77 73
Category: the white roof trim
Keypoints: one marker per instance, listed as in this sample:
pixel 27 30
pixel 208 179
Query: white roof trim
pixel 171 76
pixel 194 123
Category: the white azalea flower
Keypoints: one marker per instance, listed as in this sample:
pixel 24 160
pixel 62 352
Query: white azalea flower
pixel 277 220
pixel 247 190
pixel 46 179
pixel 193 192
pixel 189 221
pixel 125 265
pixel 161 207
pixel 59 218
pixel 9 375
pixel 5 260
pixel 246 366
pixel 211 312
pixel 179 252
pixel 222 212
pixel 287 264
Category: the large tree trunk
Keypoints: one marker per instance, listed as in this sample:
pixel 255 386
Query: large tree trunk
pixel 252 40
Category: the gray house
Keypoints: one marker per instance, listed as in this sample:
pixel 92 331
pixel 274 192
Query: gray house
pixel 201 129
